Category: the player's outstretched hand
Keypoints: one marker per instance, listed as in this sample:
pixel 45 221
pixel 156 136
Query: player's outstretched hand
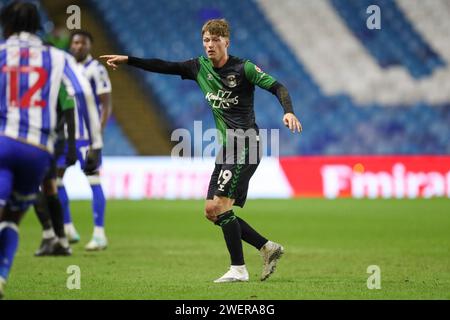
pixel 291 121
pixel 113 60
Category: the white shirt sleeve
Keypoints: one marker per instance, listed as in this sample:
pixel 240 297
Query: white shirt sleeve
pixel 101 78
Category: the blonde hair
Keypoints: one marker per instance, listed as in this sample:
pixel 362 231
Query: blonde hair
pixel 217 27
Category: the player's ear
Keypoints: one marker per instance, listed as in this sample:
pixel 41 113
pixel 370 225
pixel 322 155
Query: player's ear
pixel 227 42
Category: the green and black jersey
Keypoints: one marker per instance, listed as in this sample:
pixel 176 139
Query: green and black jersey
pixel 229 90
pixel 65 122
pixel 65 103
pixel 64 99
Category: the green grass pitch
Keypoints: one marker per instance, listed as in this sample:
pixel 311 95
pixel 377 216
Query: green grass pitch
pixel 168 250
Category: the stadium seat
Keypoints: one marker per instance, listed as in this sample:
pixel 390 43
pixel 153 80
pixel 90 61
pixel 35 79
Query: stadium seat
pixel 334 123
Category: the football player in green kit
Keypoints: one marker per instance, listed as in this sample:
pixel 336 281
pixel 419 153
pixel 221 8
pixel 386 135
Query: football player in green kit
pixel 228 84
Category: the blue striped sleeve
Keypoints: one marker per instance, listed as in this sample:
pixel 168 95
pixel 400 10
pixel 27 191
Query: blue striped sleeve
pixel 79 96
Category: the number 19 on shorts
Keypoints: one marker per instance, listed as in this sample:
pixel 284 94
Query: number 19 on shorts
pixel 224 178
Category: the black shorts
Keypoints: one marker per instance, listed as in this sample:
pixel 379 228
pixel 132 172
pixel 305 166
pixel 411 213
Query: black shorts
pixel 233 170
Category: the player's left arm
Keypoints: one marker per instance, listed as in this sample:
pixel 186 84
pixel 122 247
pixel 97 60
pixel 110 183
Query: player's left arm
pixel 265 81
pixel 289 118
pixel 106 101
pixel 103 86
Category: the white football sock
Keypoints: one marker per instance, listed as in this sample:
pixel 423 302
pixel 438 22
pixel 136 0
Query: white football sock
pixel 48 234
pixel 69 227
pixel 238 268
pixel 64 242
pixel 99 232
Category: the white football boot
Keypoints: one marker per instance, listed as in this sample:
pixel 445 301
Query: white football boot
pixel 271 252
pixel 97 243
pixel 234 274
pixel 71 233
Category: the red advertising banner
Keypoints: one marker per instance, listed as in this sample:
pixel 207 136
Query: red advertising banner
pixel 368 176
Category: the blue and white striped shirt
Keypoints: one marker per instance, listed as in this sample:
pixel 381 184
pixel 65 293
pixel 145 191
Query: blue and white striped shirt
pixel 30 78
pixel 99 82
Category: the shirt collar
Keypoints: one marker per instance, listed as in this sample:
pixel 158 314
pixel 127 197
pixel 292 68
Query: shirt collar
pixel 87 60
pixel 25 36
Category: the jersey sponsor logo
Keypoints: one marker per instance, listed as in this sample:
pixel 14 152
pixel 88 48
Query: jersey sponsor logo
pixel 210 76
pixel 221 100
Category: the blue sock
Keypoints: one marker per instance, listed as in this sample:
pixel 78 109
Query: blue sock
pixel 98 205
pixel 9 239
pixel 64 199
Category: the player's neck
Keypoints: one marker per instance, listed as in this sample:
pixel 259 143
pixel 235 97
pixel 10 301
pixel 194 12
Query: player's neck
pixel 84 59
pixel 220 63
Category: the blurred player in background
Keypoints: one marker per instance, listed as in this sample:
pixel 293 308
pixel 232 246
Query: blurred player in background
pixel 48 207
pixel 30 79
pixel 228 84
pixel 80 47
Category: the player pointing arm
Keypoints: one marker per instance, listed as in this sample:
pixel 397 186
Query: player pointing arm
pixel 228 84
pixel 178 68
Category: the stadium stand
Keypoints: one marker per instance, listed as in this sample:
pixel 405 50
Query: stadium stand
pixel 398 44
pixel 116 143
pixel 387 105
pixel 370 93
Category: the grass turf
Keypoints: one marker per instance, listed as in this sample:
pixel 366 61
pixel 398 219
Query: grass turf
pixel 167 250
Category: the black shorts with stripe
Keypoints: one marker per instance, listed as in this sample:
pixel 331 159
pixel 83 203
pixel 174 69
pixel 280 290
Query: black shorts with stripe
pixel 233 170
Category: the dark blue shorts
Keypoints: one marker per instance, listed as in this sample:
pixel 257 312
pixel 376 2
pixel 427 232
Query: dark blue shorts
pixel 22 169
pixel 82 148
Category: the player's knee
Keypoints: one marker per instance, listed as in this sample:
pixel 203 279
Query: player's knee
pixel 49 187
pixel 60 172
pixel 11 216
pixel 41 203
pixel 212 209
